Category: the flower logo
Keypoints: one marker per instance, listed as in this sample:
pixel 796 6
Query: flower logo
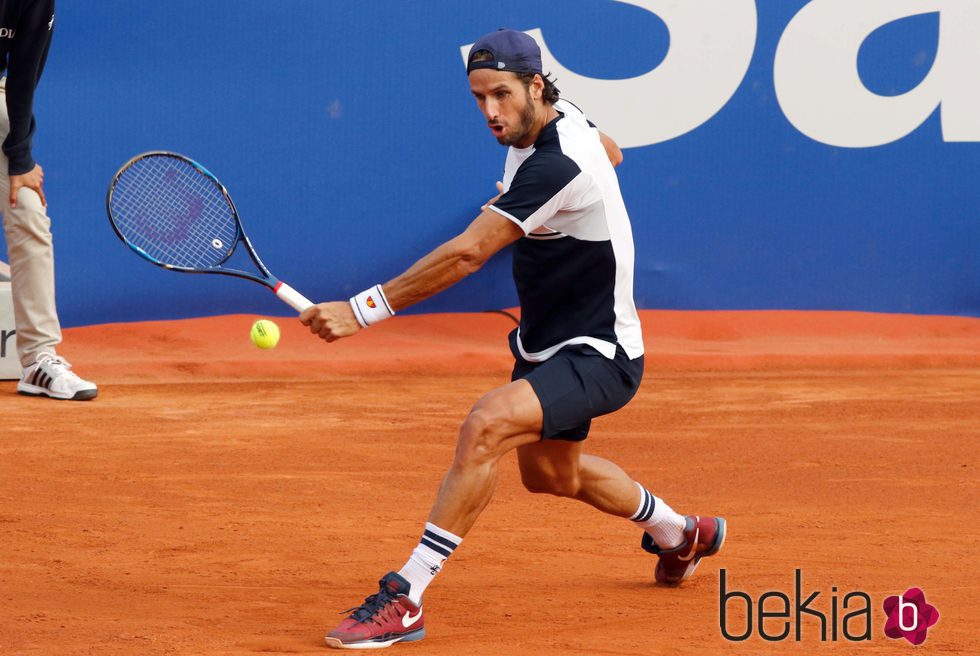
pixel 909 616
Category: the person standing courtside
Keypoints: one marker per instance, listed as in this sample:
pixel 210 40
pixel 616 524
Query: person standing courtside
pixel 26 27
pixel 578 349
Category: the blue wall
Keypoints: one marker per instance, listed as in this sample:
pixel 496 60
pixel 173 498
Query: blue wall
pixel 346 134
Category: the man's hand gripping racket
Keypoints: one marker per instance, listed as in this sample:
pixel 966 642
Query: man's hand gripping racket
pixel 173 212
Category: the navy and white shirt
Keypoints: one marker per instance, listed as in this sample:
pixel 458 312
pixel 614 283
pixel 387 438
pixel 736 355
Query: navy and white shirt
pixel 574 267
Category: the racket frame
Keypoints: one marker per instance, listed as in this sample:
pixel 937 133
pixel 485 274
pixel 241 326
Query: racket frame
pixel 289 295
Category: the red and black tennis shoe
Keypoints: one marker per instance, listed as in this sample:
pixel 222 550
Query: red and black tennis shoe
pixel 382 620
pixel 703 537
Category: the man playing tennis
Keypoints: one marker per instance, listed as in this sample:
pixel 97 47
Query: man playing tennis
pixel 578 349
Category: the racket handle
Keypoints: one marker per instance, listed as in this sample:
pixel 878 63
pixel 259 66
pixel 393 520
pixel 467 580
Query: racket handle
pixel 291 297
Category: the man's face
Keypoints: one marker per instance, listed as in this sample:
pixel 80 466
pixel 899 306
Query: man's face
pixel 507 105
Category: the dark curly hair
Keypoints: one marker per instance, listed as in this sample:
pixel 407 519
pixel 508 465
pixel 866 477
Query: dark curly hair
pixel 550 93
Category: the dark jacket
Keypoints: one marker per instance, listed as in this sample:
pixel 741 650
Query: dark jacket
pixel 25 36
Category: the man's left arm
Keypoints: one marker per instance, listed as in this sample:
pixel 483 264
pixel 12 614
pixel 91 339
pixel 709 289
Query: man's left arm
pixel 613 152
pixel 438 270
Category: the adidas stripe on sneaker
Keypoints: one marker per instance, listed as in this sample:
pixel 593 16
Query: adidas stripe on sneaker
pixel 50 375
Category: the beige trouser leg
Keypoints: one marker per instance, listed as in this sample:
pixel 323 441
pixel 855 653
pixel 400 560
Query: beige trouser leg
pixel 27 230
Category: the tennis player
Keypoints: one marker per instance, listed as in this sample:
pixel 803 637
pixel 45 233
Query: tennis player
pixel 578 349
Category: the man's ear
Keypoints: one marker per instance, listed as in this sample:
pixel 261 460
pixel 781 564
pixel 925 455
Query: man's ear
pixel 538 84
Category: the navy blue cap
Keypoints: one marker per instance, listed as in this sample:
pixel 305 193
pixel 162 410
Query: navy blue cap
pixel 511 50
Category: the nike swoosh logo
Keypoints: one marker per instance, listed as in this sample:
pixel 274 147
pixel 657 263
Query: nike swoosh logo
pixel 694 546
pixel 408 620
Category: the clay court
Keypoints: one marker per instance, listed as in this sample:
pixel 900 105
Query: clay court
pixel 217 499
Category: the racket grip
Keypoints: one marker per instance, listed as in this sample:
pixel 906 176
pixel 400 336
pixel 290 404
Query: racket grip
pixel 291 297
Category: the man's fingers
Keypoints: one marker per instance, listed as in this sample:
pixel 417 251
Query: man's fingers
pixel 321 328
pixel 306 316
pixel 16 187
pixel 322 323
pixel 500 191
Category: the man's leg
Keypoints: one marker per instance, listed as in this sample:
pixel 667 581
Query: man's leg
pixel 559 468
pixel 29 248
pixel 28 232
pixel 504 419
pixel 27 229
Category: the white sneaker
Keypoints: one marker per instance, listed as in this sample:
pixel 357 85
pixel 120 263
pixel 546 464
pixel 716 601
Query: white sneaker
pixel 50 375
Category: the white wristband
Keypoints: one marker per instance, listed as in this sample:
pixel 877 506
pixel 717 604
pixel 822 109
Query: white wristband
pixel 371 306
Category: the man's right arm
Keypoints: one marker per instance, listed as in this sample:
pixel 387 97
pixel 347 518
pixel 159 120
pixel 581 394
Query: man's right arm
pixel 441 268
pixel 454 260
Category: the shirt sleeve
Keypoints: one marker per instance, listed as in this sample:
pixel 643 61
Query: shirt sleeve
pixel 28 53
pixel 541 187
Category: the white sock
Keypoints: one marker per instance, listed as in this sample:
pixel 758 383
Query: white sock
pixel 658 519
pixel 435 547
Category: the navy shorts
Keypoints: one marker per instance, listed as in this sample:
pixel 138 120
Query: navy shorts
pixel 577 384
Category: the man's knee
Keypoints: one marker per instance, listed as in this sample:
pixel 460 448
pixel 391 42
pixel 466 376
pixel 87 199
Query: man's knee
pixel 502 420
pixel 28 222
pixel 481 438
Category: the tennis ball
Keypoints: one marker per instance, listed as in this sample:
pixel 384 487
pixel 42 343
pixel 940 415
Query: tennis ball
pixel 265 334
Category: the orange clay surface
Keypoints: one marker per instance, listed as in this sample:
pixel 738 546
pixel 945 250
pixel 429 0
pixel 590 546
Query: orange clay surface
pixel 218 499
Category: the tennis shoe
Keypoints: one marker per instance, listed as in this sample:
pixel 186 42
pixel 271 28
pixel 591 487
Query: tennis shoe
pixel 703 537
pixel 51 375
pixel 382 620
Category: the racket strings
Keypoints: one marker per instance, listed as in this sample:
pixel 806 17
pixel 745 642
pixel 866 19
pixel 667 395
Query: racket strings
pixel 174 213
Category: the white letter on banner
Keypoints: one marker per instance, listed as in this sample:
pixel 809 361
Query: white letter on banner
pixel 711 46
pixel 821 93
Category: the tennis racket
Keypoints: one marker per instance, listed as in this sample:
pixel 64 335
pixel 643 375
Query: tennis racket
pixel 173 212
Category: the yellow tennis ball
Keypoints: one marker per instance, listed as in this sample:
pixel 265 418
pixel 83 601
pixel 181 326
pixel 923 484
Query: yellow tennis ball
pixel 265 334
